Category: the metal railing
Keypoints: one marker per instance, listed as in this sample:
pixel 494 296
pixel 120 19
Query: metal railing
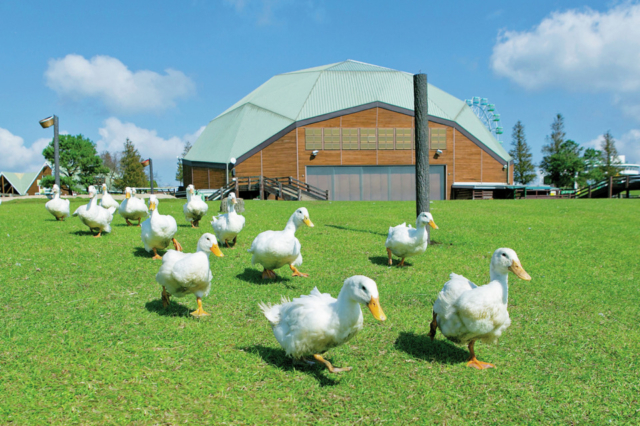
pixel 607 188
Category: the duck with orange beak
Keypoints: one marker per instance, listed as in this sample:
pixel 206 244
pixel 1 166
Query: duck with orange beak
pixel 465 312
pixel 309 326
pixel 274 249
pixel 158 231
pixel 132 207
pixel 403 241
pixel 188 273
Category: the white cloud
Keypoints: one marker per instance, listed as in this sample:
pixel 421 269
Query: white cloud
pixel 110 81
pixel 164 152
pixel 577 50
pixel 16 157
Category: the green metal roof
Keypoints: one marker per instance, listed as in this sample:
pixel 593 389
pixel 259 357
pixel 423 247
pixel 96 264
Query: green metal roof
pixel 20 181
pixel 301 95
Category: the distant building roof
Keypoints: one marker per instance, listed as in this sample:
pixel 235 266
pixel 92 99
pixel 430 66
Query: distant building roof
pixel 22 181
pixel 298 96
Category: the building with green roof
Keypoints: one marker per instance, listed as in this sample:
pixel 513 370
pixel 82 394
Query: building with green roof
pixel 12 184
pixel 347 128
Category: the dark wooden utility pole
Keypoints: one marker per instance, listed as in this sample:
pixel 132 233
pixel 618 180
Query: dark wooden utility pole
pixel 421 119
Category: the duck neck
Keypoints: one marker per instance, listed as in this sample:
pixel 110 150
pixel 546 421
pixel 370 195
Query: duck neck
pixel 292 226
pixel 231 208
pixel 501 279
pixel 154 213
pixel 421 230
pixel 188 196
pixel 56 195
pixel 348 309
pixel 94 202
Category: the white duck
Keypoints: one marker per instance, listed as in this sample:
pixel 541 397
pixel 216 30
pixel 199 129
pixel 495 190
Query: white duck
pixel 132 207
pixel 95 216
pixel 227 226
pixel 195 208
pixel 311 325
pixel 188 273
pixel 274 249
pixel 466 313
pixel 158 230
pixel 57 206
pixel 107 200
pixel 404 241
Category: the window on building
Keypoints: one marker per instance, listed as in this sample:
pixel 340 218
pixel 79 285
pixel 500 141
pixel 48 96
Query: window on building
pixel 404 138
pixel 349 138
pixel 312 139
pixel 438 138
pixel 332 138
pixel 367 138
pixel 385 138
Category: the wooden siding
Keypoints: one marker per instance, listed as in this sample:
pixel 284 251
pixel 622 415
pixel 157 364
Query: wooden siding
pixel 33 189
pixel 464 160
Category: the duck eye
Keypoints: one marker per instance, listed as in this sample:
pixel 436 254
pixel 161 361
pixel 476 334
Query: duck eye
pixel 362 287
pixel 504 254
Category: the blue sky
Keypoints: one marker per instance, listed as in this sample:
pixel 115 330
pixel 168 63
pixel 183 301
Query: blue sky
pixel 157 72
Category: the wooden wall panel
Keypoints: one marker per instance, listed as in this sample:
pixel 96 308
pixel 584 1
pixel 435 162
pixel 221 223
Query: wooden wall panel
pixel 388 118
pixel 33 189
pixel 399 157
pixel 186 172
pixel 279 158
pixel 356 158
pixel 201 177
pixel 250 167
pixel 366 118
pixel 492 170
pixel 216 178
pixel 334 122
pixel 467 160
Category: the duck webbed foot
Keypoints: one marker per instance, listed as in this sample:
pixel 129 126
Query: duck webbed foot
pixel 297 273
pixel 390 260
pixel 268 274
pixel 401 264
pixel 99 234
pixel 473 361
pixel 200 312
pixel 330 367
pixel 156 255
pixel 129 223
pixel 176 244
pixel 192 224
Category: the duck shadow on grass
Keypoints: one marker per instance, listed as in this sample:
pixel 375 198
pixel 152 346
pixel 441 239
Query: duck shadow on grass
pixel 254 276
pixel 173 310
pixel 344 228
pixel 278 358
pixel 421 346
pixel 141 252
pixel 87 232
pixel 384 261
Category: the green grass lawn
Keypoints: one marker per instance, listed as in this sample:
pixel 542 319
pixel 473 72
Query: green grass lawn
pixel 84 337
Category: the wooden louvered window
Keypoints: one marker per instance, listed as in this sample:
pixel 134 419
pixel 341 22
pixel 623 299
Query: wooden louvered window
pixel 385 138
pixel 368 139
pixel 438 138
pixel 349 138
pixel 404 138
pixel 331 138
pixel 312 139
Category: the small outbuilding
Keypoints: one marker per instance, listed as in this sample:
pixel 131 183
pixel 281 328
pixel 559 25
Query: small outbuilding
pixel 347 129
pixel 14 184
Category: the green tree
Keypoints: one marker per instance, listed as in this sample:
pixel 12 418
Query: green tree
pixel 179 172
pixel 592 171
pixel 562 163
pixel 112 162
pixel 609 156
pixel 133 174
pixel 79 162
pixel 563 167
pixel 524 171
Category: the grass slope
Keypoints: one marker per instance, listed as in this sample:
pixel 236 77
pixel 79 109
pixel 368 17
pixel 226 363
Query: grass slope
pixel 84 337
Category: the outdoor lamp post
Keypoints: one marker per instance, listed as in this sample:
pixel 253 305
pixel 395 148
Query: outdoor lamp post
pixel 232 160
pixel 48 122
pixel 145 163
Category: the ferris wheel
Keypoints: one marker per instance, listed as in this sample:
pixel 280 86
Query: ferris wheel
pixel 487 113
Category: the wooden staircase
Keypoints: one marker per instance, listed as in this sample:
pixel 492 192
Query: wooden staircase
pixel 285 188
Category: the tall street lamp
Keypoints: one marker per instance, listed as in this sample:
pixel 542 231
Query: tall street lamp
pixel 145 163
pixel 48 122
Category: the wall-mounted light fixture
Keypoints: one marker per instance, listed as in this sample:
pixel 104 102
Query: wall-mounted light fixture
pixel 314 153
pixel 438 153
pixel 504 167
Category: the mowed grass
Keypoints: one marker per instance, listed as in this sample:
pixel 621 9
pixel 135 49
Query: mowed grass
pixel 84 338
